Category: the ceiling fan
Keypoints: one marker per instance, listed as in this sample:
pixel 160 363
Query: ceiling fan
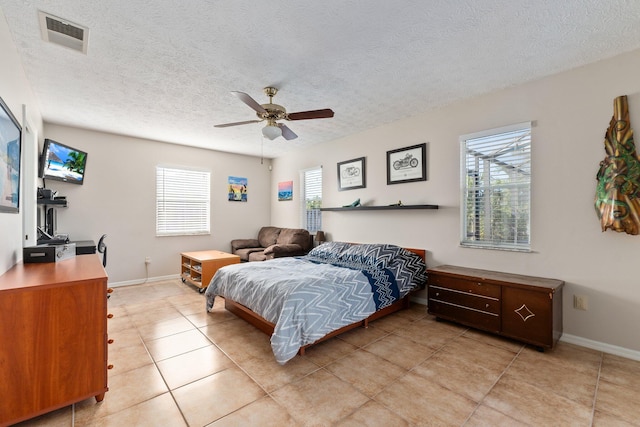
pixel 272 112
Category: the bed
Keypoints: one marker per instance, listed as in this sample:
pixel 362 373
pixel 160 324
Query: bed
pixel 338 286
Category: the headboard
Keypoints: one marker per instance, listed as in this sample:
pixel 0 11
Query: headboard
pixel 421 252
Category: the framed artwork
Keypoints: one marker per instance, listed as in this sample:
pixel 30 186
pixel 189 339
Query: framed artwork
pixel 351 174
pixel 237 189
pixel 407 164
pixel 10 148
pixel 285 190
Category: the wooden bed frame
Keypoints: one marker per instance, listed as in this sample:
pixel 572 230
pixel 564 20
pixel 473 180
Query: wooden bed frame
pixel 267 327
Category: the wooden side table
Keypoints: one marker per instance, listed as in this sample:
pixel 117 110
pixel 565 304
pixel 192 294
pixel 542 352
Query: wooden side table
pixel 198 268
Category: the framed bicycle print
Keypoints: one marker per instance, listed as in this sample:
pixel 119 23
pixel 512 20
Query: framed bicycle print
pixel 351 174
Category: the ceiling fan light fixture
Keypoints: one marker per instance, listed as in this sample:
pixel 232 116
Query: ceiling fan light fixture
pixel 272 131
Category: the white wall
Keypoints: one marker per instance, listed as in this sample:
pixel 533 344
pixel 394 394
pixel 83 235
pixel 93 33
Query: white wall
pixel 118 199
pixel 16 92
pixel 571 112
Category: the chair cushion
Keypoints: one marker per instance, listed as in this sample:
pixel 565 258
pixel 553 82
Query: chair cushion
pixel 245 253
pixel 257 256
pixel 268 236
pixel 298 236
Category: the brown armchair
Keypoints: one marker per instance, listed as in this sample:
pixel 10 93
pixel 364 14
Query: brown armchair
pixel 273 242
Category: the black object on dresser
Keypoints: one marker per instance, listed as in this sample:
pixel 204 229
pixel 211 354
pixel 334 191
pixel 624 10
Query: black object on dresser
pixel 525 308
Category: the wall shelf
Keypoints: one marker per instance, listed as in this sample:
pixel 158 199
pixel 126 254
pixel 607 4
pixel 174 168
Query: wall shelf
pixel 379 208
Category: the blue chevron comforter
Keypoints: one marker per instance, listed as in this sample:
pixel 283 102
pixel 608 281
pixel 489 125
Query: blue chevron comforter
pixel 335 285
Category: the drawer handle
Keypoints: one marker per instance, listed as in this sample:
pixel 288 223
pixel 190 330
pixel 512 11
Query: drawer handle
pixel 437 294
pixel 110 341
pixel 109 366
pixel 486 306
pixel 109 316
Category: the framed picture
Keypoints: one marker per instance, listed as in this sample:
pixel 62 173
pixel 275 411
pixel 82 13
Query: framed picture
pixel 10 147
pixel 407 164
pixel 351 174
pixel 285 190
pixel 237 189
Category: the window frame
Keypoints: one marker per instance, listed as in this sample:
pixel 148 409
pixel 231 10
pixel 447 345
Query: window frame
pixel 303 200
pixel 519 187
pixel 192 186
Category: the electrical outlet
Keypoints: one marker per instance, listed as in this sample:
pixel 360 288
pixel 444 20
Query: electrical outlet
pixel 580 302
pixel 147 260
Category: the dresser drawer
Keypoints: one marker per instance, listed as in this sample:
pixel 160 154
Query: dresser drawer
pixel 476 302
pixel 470 317
pixel 466 285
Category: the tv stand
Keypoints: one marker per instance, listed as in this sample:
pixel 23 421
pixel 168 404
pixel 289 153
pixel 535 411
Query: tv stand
pixel 49 213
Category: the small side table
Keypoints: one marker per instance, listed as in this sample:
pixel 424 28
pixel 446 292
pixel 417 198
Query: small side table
pixel 198 268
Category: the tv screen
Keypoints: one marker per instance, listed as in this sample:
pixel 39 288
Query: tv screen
pixel 62 163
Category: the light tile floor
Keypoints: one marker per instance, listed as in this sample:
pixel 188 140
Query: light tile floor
pixel 177 365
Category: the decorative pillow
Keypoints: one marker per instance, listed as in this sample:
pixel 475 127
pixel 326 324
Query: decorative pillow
pixel 410 271
pixel 378 255
pixel 329 251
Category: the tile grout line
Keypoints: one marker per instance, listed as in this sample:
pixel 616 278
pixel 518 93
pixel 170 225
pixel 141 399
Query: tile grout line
pixel 595 392
pixel 504 371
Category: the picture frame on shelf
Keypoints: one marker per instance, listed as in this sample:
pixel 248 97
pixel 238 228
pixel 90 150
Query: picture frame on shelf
pixel 10 152
pixel 407 164
pixel 352 174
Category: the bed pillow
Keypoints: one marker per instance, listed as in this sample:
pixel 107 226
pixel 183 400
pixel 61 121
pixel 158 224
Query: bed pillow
pixel 329 251
pixel 378 255
pixel 410 271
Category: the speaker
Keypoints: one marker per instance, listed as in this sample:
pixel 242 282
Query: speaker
pixel 48 253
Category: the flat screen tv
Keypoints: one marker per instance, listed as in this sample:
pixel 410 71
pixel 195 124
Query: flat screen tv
pixel 62 163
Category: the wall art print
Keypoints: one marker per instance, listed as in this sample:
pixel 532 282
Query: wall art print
pixel 10 147
pixel 237 189
pixel 407 164
pixel 617 200
pixel 352 174
pixel 285 190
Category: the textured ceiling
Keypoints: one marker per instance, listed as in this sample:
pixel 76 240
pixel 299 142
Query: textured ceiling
pixel 164 70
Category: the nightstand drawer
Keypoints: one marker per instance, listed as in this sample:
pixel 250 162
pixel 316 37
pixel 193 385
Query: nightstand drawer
pixel 476 302
pixel 465 315
pixel 465 285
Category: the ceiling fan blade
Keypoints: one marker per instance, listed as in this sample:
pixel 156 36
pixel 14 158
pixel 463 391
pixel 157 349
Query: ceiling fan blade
pixel 313 114
pixel 249 101
pixel 287 133
pixel 226 125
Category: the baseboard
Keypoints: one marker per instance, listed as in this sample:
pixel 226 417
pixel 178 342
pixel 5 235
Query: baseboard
pixel 142 281
pixel 419 300
pixel 600 346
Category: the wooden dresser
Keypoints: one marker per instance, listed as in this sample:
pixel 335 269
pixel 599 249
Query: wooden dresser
pixel 525 308
pixel 53 336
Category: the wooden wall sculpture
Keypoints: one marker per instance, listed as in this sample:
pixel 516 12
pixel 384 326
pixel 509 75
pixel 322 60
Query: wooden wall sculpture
pixel 617 199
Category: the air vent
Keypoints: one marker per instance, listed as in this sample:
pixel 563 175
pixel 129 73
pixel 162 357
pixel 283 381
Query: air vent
pixel 60 31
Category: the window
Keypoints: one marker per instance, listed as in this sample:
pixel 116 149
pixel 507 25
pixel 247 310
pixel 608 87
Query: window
pixel 311 218
pixel 182 201
pixel 496 188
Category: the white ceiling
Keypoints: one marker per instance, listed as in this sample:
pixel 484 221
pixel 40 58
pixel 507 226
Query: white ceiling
pixel 164 70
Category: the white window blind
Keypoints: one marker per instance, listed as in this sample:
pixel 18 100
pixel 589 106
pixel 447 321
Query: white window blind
pixel 496 188
pixel 182 201
pixel 311 199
